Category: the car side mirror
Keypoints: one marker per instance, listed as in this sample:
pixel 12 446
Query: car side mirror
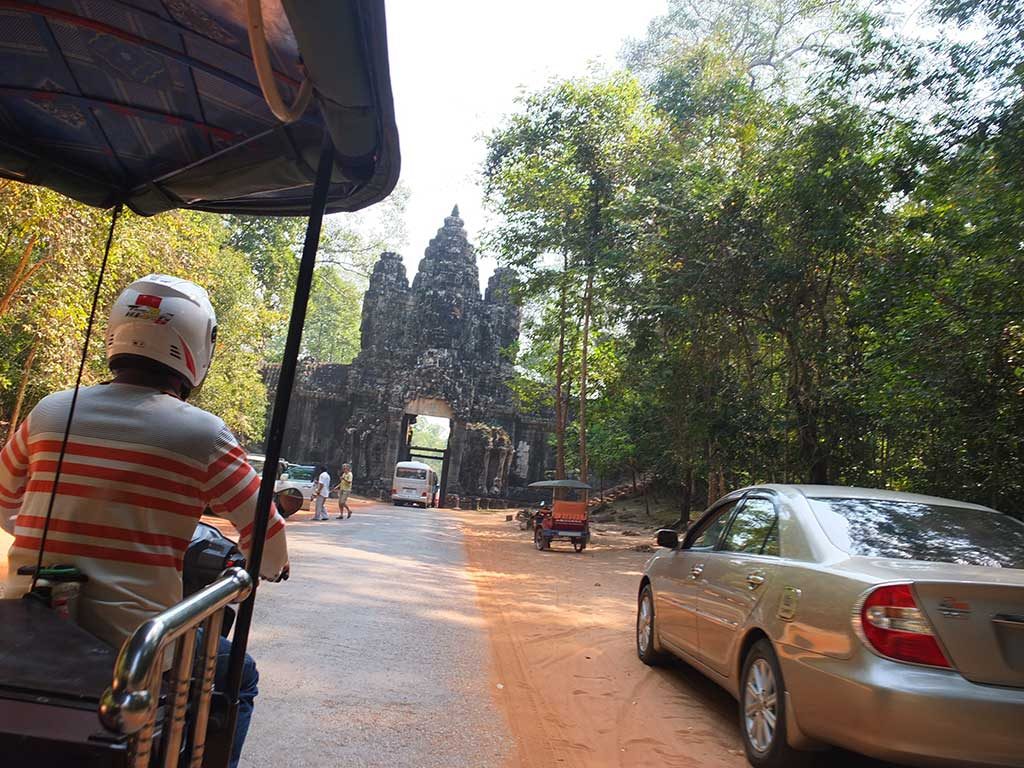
pixel 668 538
pixel 284 476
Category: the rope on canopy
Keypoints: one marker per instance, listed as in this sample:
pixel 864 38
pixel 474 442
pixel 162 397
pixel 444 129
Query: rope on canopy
pixel 265 70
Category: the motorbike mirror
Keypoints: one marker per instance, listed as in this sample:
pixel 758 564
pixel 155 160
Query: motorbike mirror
pixel 289 501
pixel 668 538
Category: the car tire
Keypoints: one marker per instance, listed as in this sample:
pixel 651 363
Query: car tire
pixel 762 707
pixel 645 646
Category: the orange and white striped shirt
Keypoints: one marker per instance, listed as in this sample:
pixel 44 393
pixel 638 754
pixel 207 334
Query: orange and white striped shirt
pixel 140 468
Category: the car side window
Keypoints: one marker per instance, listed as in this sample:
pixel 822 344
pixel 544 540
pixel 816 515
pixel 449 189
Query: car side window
pixel 752 529
pixel 707 537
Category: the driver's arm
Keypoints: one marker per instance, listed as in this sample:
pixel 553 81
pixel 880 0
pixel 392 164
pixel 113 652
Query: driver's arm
pixel 231 490
pixel 13 476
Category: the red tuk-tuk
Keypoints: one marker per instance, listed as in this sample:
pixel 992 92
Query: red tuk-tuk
pixel 566 519
pixel 262 107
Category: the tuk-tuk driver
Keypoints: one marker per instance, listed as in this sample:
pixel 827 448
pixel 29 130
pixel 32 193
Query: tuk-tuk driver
pixel 141 465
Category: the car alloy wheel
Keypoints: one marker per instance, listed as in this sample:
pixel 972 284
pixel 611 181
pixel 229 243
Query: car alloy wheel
pixel 644 624
pixel 645 629
pixel 760 706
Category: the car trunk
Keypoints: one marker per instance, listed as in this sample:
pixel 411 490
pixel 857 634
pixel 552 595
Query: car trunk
pixel 977 614
pixel 980 626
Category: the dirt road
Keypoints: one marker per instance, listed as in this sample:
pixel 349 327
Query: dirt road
pixel 564 666
pixel 565 670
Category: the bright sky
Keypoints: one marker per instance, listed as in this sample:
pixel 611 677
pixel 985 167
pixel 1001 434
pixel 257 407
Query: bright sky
pixel 457 67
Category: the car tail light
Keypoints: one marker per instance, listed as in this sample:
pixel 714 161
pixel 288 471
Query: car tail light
pixel 894 626
pixel 394 491
pixel 424 494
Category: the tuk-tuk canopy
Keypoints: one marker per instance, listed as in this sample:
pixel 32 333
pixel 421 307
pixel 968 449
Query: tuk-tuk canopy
pixel 157 105
pixel 567 483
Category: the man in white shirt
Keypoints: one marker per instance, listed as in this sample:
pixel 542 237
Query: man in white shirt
pixel 321 489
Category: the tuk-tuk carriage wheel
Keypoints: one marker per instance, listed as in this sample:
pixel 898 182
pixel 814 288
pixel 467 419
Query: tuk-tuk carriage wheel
pixel 540 540
pixel 579 544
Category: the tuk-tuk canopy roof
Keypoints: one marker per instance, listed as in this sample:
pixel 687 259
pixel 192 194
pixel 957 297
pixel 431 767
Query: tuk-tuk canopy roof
pixel 568 483
pixel 156 103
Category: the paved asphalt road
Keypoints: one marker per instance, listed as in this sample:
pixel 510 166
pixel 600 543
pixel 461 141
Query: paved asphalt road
pixel 373 653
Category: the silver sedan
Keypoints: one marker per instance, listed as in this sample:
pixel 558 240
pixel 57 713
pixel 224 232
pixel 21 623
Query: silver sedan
pixel 888 623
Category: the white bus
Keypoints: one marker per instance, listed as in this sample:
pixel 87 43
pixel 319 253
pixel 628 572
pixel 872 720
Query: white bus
pixel 414 483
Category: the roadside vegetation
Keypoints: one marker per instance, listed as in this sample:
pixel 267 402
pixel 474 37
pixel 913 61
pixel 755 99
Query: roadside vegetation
pixel 50 251
pixel 783 242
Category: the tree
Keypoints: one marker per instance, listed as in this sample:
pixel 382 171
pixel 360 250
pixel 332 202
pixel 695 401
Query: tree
pixel 556 173
pixel 331 332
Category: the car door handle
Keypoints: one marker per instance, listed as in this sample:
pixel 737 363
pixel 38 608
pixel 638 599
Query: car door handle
pixel 696 571
pixel 755 580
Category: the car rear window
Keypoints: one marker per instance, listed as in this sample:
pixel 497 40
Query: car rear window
pixel 411 474
pixel 908 530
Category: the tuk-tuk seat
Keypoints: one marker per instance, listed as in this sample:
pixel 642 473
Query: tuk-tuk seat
pixel 563 511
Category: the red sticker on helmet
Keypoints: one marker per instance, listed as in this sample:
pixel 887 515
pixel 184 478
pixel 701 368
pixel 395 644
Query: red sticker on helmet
pixel 189 361
pixel 146 300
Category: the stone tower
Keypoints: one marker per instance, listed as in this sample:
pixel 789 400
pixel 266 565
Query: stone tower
pixel 436 348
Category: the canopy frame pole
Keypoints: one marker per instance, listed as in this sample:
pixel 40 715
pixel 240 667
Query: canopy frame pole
pixel 275 436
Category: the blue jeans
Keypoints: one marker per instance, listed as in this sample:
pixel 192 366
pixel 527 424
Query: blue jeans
pixel 246 694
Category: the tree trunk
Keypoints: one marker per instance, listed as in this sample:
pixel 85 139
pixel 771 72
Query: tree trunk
pixel 587 299
pixel 26 371
pixel 560 404
pixel 22 274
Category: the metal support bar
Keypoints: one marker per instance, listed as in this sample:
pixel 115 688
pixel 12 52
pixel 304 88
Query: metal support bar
pixel 142 743
pixel 181 682
pixel 275 436
pixel 126 707
pixel 208 665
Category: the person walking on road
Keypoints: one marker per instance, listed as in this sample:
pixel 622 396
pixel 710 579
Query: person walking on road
pixel 321 488
pixel 344 489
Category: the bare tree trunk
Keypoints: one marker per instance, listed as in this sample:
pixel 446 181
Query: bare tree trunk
pixel 26 371
pixel 560 404
pixel 587 300
pixel 22 274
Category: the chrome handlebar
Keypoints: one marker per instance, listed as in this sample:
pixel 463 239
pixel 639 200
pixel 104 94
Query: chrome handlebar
pixel 129 705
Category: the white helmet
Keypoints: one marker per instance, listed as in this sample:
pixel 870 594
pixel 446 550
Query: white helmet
pixel 168 320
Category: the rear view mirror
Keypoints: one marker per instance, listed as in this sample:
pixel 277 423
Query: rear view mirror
pixel 668 538
pixel 289 501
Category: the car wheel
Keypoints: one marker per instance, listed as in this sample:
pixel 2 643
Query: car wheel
pixel 645 630
pixel 763 710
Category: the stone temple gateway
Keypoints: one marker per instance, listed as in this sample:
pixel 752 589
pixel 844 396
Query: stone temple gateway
pixel 436 349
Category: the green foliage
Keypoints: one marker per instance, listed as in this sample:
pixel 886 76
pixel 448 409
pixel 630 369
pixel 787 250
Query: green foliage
pixel 331 333
pixel 47 311
pixel 822 284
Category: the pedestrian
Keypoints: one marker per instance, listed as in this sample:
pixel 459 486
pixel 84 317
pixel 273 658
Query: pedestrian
pixel 321 488
pixel 344 489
